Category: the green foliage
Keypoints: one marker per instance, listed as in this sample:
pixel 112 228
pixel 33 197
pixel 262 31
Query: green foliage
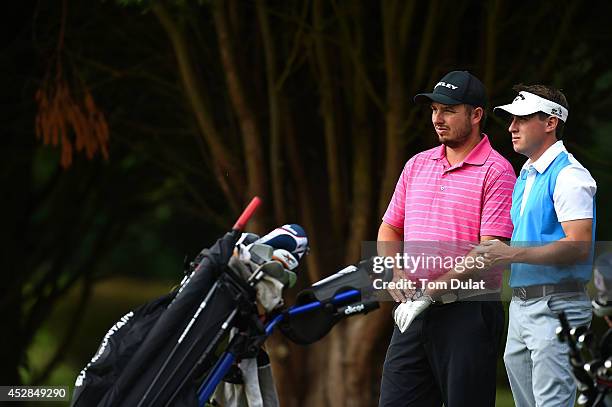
pixel 146 4
pixel 140 3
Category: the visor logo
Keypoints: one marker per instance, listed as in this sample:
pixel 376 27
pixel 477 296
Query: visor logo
pixel 556 112
pixel 519 97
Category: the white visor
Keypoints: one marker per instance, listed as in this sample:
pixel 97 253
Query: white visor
pixel 527 103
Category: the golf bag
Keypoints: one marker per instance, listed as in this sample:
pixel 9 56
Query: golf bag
pixel 153 355
pixel 175 350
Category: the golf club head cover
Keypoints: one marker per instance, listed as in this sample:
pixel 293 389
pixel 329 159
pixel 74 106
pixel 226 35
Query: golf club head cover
pixel 287 259
pixel 406 312
pixel 288 244
pixel 290 237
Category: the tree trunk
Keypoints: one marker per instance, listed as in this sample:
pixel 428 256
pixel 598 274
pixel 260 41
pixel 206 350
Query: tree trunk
pixel 225 164
pixel 361 335
pixel 276 156
pixel 256 173
pixel 395 104
pixel 329 114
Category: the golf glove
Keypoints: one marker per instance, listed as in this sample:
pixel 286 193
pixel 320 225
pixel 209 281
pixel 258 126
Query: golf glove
pixel 406 312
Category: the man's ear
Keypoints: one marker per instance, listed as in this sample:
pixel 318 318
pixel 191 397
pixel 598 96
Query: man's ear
pixel 477 115
pixel 551 123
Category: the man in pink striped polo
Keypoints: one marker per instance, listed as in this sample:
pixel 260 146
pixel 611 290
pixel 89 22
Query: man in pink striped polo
pixel 445 344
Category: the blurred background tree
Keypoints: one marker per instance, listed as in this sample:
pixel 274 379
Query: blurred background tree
pixel 307 104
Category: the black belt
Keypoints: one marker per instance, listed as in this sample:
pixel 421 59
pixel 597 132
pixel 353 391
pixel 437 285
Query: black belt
pixel 458 297
pixel 537 291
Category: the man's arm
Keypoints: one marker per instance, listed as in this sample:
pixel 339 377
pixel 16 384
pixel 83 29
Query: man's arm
pixel 573 248
pixel 389 241
pixel 495 219
pixel 388 233
pixel 467 272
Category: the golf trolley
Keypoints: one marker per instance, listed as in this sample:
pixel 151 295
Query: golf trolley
pixel 177 349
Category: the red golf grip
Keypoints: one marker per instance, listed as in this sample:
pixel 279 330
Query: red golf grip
pixel 247 213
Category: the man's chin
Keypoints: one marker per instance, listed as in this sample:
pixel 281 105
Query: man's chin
pixel 443 139
pixel 448 142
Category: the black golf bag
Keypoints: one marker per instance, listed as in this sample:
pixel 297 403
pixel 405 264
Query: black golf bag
pixel 175 350
pixel 153 355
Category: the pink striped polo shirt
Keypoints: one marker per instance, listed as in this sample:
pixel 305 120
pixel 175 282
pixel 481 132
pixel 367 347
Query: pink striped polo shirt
pixel 434 201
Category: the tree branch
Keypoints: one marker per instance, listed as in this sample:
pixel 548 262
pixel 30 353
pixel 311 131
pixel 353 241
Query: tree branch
pixel 297 44
pixel 560 39
pixel 222 156
pixel 356 55
pixel 422 61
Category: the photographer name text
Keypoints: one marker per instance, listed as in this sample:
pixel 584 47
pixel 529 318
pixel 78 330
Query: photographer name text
pixel 426 284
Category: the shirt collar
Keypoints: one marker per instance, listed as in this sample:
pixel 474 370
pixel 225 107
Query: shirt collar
pixel 439 153
pixel 478 155
pixel 542 163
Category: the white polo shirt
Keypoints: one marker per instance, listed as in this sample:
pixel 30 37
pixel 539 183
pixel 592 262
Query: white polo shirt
pixel 574 189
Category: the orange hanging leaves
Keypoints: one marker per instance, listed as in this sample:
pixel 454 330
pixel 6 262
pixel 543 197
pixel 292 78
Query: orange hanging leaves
pixel 76 125
pixel 61 118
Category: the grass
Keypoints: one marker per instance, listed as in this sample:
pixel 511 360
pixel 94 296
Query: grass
pixel 110 300
pixel 504 397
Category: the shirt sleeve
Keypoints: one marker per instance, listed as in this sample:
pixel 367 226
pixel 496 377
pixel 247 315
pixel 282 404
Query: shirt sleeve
pixel 396 210
pixel 573 195
pixel 495 219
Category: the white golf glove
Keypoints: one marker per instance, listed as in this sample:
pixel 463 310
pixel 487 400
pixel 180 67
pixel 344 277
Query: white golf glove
pixel 406 312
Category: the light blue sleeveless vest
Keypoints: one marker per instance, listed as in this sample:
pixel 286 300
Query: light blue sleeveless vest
pixel 539 225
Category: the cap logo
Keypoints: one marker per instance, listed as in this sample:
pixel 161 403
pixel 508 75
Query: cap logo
pixel 556 112
pixel 519 97
pixel 446 85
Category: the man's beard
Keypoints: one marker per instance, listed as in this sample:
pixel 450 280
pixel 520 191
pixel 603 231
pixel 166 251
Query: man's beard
pixel 460 138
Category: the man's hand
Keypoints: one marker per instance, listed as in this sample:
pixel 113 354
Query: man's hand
pixel 390 243
pixel 495 252
pixel 406 312
pixel 400 295
pixel 575 247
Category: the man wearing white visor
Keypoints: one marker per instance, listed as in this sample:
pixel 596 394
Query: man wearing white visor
pixel 553 214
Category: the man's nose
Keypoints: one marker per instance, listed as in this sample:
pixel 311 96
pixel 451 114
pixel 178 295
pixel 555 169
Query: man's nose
pixel 436 117
pixel 512 128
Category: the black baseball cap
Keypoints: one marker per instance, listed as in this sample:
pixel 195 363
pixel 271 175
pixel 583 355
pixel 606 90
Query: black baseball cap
pixel 455 88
